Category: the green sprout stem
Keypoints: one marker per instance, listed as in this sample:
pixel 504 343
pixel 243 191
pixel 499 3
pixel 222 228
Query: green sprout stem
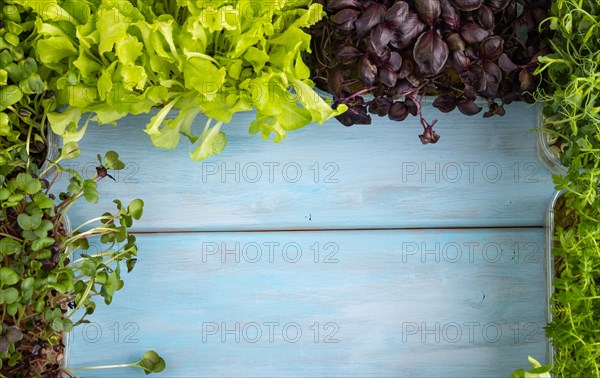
pixel 90 233
pixel 116 366
pixel 11 236
pixel 85 295
pixel 101 218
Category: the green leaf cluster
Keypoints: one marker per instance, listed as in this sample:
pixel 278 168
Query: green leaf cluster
pixel 538 370
pixel 571 113
pixel 575 305
pixel 571 80
pixel 49 279
pixel 218 58
pixel 24 96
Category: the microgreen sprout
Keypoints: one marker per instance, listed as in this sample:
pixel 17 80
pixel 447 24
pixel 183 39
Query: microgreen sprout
pixel 150 363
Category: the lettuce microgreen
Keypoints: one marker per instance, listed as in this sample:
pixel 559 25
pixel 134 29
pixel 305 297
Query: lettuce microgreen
pixel 118 57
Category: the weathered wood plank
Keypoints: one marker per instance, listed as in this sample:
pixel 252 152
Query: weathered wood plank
pixel 435 303
pixel 481 173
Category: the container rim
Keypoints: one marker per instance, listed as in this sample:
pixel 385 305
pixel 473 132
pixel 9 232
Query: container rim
pixel 549 262
pixel 543 150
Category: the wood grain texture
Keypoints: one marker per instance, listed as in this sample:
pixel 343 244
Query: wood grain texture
pixel 481 173
pixel 429 303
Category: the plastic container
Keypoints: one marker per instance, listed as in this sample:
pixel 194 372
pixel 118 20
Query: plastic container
pixel 66 335
pixel 52 152
pixel 548 245
pixel 545 154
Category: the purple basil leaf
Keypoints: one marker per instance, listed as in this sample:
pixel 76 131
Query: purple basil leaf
pixel 387 76
pixel 398 111
pixel 491 48
pixel 473 33
pixel 510 11
pixel 526 80
pixel 411 106
pixel 344 16
pixel 406 68
pixel 473 79
pixel 494 109
pixel 485 16
pixel 450 15
pixel 367 71
pixel 380 106
pixel 403 86
pixel 348 54
pixel 506 64
pixel 428 10
pixel 445 103
pixel 414 80
pixel 430 52
pixel 379 56
pixel 429 136
pixel 493 76
pixel 467 107
pixel 455 42
pixel 336 5
pixel 395 61
pixel 396 14
pixel 459 61
pixel 370 18
pixel 336 80
pixel 466 5
pixel 380 36
pixel 509 97
pixel 408 31
pixel 355 115
pixel 497 5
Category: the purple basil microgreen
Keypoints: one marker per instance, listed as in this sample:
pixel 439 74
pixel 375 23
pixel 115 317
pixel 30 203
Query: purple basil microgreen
pixel 450 14
pixel 336 5
pixel 467 106
pixel 430 52
pixel 348 54
pixel 398 111
pixel 485 17
pixel 497 5
pixel 491 48
pixel 345 16
pixel 367 71
pixel 467 5
pixel 381 35
pixel 408 31
pixel 445 103
pixel 473 33
pixel 370 18
pixel 396 14
pixel 455 50
pixel 428 10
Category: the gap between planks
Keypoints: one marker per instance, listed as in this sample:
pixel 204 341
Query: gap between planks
pixel 334 230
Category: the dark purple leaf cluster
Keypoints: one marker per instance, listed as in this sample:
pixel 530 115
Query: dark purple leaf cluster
pixel 400 51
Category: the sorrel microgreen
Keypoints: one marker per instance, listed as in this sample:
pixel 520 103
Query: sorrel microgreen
pixel 47 281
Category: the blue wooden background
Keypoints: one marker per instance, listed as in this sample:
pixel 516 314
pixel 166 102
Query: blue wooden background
pixel 353 252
